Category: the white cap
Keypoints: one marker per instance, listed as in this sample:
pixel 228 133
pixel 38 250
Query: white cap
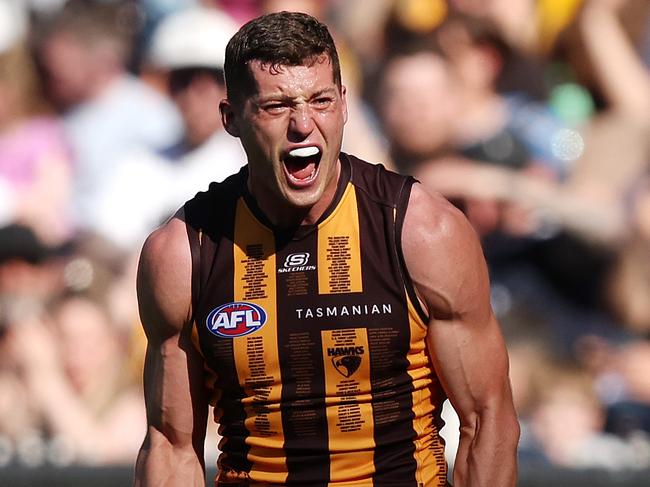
pixel 13 24
pixel 195 37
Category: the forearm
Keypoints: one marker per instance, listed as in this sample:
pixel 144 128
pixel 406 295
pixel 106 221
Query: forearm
pixel 597 220
pixel 487 452
pixel 620 70
pixel 163 464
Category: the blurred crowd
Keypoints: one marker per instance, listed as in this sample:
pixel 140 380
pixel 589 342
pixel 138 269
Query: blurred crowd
pixel 532 116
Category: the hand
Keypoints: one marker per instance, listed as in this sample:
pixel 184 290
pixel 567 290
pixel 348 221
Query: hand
pixel 33 346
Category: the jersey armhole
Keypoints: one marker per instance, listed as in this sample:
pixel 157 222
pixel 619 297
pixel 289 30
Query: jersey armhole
pixel 194 237
pixel 400 214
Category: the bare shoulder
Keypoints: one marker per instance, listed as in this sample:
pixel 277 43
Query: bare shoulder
pixel 164 279
pixel 433 224
pixel 442 252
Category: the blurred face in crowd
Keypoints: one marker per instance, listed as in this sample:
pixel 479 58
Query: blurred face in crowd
pixel 76 69
pixel 476 65
pixel 196 100
pixel 418 104
pixel 87 340
pixel 567 416
pixel 291 129
pixel 68 67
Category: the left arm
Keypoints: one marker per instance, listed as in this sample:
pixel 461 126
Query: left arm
pixel 464 338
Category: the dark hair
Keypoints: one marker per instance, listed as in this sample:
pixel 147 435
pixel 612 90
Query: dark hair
pixel 180 79
pixel 276 39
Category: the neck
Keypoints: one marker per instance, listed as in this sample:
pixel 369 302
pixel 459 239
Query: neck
pixel 101 84
pixel 286 216
pixel 197 136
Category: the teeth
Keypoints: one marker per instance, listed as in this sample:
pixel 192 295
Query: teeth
pixel 304 151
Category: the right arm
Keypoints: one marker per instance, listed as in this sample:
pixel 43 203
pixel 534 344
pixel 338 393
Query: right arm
pixel 446 264
pixel 175 394
pixel 619 69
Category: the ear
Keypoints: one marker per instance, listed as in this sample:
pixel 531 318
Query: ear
pixel 229 117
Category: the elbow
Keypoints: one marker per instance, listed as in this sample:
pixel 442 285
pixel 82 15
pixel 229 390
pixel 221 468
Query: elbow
pixel 498 421
pixel 512 431
pixel 171 444
pixel 164 462
pixel 505 419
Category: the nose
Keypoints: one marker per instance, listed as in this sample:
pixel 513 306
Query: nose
pixel 301 122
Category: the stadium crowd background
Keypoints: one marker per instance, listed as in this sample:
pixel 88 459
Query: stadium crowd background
pixel 533 116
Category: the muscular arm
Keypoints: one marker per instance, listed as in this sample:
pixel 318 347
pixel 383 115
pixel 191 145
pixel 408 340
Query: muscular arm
pixel 176 402
pixel 464 338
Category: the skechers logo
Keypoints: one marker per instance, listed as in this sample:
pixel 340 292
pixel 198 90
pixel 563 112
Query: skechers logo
pixel 236 319
pixel 297 262
pixel 346 360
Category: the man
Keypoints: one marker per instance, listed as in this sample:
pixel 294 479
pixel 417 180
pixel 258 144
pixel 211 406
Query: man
pixel 188 47
pixel 325 306
pixel 108 113
pixel 187 52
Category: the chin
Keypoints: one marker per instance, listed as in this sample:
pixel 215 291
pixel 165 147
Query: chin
pixel 303 199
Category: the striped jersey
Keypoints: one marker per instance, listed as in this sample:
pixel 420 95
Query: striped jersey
pixel 313 339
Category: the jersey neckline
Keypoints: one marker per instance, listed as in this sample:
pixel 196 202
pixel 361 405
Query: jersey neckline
pixel 300 232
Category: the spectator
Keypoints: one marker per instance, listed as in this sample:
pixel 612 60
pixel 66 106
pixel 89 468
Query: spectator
pixel 190 45
pixel 74 378
pixel 107 112
pixel 418 129
pixel 187 53
pixel 30 274
pixel 497 123
pixel 569 421
pixel 35 166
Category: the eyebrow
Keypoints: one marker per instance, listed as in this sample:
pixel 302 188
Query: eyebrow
pixel 282 97
pixel 325 91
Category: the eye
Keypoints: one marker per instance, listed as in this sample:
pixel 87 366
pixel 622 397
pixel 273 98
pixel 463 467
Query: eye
pixel 323 102
pixel 274 108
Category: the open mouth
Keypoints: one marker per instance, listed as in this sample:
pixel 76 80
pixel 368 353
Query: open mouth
pixel 301 164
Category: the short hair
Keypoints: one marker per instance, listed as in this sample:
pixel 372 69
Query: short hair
pixel 276 39
pixel 181 78
pixel 93 24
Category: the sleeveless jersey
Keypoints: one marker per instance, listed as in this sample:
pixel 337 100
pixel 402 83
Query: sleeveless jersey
pixel 313 339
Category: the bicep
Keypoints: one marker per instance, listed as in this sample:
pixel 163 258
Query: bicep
pixel 175 393
pixel 464 339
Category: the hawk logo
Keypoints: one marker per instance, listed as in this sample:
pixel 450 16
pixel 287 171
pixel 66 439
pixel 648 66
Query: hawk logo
pixel 348 365
pixel 236 319
pixel 346 360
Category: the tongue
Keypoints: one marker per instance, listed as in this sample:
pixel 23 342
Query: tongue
pixel 300 168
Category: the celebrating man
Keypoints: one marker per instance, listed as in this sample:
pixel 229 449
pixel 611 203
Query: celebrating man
pixel 325 306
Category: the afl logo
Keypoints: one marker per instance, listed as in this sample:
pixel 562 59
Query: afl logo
pixel 236 319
